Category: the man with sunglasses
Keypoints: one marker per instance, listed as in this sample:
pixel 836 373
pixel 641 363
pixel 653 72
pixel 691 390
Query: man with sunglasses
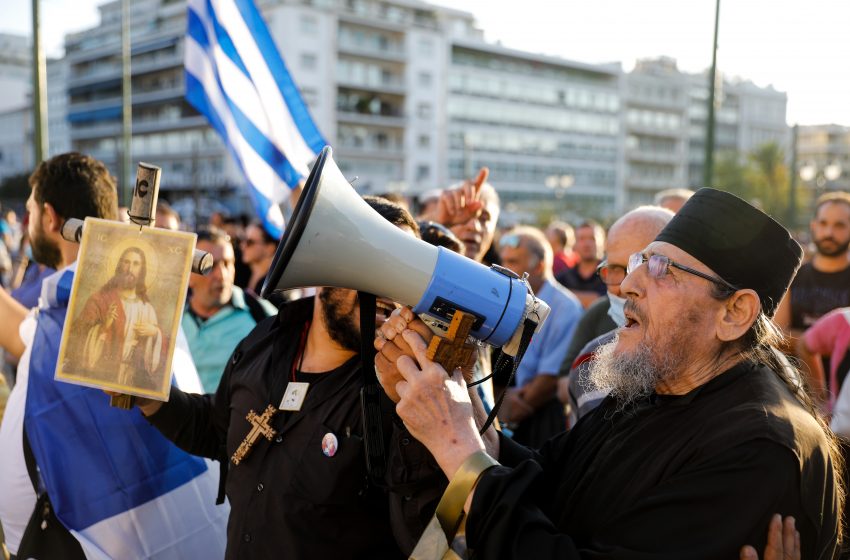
pixel 705 433
pixel 530 407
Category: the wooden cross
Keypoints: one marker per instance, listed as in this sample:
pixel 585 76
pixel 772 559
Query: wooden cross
pixel 453 351
pixel 259 427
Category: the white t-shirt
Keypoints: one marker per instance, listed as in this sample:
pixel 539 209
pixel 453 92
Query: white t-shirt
pixel 17 497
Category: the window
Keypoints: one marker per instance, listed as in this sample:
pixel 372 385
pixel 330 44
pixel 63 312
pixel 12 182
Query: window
pixel 425 79
pixel 424 141
pixel 310 96
pixel 309 25
pixel 424 110
pixel 423 172
pixel 426 47
pixel 308 61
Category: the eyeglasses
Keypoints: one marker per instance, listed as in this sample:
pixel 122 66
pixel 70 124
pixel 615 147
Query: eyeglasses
pixel 510 240
pixel 658 265
pixel 611 274
pixel 249 242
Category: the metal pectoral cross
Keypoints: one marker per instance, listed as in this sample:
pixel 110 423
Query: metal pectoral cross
pixel 260 427
pixel 453 351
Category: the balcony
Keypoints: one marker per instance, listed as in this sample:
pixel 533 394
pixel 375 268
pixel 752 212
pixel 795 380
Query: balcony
pixel 393 52
pixel 370 119
pixel 653 156
pixel 392 85
pixel 369 151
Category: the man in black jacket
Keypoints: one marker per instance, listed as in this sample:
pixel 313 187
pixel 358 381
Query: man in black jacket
pixel 305 492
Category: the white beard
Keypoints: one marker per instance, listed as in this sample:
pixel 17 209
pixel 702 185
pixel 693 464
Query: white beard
pixel 631 376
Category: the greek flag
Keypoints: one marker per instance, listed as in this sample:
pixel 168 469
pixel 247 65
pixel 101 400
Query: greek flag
pixel 236 78
pixel 120 487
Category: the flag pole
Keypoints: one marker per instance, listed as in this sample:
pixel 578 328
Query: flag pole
pixel 39 98
pixel 708 177
pixel 125 184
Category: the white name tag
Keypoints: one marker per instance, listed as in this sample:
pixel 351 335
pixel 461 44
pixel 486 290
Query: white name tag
pixel 294 395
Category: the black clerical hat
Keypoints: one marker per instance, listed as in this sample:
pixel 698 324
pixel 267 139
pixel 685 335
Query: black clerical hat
pixel 742 244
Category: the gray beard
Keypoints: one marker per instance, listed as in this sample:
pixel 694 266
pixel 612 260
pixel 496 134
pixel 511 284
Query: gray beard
pixel 629 377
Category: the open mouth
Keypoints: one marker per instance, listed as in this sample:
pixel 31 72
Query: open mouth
pixel 631 322
pixel 383 309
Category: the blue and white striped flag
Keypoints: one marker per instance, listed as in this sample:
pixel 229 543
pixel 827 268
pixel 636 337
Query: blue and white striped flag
pixel 237 79
pixel 119 486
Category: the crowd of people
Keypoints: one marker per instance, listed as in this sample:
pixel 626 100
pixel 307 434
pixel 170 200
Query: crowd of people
pixel 676 403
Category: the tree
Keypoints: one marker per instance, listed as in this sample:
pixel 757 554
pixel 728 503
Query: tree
pixel 768 177
pixel 761 178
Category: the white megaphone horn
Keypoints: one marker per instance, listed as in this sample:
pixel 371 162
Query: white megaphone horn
pixel 336 239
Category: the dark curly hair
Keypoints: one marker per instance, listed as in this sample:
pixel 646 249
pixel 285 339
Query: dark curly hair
pixel 76 186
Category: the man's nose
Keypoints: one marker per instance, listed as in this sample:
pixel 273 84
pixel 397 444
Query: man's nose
pixel 632 283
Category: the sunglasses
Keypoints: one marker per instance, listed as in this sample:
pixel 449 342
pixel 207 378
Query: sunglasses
pixel 658 266
pixel 510 240
pixel 611 274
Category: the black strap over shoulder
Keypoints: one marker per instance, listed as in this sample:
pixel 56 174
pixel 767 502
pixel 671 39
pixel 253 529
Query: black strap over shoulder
pixel 32 468
pixel 370 394
pixel 255 308
pixel 528 328
pixel 44 536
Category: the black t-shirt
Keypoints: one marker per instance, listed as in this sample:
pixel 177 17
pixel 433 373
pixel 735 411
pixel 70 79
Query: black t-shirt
pixel 572 280
pixel 815 293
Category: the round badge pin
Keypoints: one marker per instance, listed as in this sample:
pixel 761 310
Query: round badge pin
pixel 329 444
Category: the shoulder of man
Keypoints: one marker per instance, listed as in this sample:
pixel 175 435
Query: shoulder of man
pixel 259 308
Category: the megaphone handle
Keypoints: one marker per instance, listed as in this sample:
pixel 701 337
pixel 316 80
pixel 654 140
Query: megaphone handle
pixel 453 351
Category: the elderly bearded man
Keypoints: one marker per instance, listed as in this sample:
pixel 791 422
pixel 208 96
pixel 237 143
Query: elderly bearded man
pixel 702 438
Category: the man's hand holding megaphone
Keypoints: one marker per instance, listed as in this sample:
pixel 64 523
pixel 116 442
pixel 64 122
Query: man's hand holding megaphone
pixel 391 346
pixel 457 205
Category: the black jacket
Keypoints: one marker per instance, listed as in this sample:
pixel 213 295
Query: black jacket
pixel 288 500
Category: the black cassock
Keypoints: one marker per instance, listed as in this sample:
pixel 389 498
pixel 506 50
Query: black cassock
pixel 287 498
pixel 692 476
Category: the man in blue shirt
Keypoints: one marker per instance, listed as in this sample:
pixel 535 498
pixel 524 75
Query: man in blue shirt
pixel 218 314
pixel 531 408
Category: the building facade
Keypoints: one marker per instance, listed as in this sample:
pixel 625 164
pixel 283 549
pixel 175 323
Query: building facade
pixel 17 153
pixel 548 129
pixel 412 98
pixel 746 117
pixel 823 157
pixel 656 100
pixel 408 94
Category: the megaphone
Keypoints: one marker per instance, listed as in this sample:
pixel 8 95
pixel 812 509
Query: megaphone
pixel 336 239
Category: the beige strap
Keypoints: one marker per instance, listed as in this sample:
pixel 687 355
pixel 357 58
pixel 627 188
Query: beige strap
pixel 450 509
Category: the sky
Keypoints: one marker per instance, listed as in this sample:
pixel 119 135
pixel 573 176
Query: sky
pixel 801 47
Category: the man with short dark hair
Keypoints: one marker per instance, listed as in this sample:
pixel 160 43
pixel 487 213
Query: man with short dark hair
pixel 218 314
pixel 77 186
pixel 258 249
pixel 562 238
pixel 704 434
pixel 581 279
pixel 823 284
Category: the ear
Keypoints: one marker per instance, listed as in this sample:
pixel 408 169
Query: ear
pixel 50 220
pixel 737 315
